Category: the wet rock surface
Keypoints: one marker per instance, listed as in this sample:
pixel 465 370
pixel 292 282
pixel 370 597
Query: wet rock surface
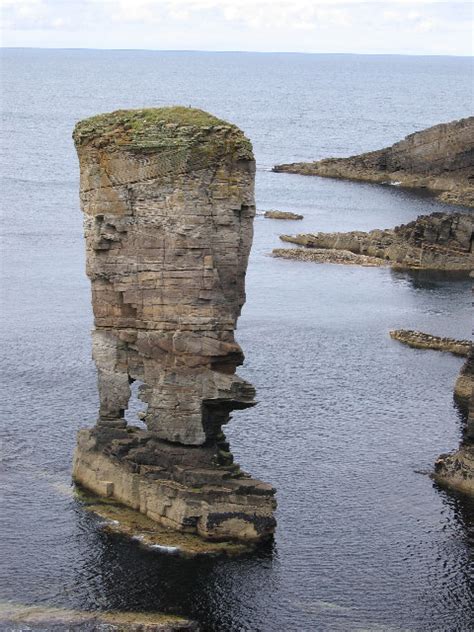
pixel 440 241
pixel 439 158
pixel 168 202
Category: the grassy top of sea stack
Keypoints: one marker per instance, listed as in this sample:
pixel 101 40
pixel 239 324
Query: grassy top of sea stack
pixel 152 130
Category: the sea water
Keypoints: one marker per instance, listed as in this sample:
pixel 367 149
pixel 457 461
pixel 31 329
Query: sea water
pixel 348 422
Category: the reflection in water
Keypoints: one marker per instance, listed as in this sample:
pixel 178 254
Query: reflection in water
pixel 433 279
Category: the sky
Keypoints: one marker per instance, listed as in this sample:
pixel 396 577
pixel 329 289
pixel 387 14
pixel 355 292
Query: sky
pixel 414 27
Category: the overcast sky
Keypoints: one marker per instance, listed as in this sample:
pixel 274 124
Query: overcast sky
pixel 337 26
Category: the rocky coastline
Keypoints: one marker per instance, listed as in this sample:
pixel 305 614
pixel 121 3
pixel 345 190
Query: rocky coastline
pixel 439 158
pixel 454 470
pixel 440 241
pixel 168 202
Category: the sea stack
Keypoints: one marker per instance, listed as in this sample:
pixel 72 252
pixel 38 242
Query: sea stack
pixel 168 202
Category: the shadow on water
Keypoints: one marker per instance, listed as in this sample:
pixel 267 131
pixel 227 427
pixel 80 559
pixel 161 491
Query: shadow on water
pixel 431 279
pixel 124 576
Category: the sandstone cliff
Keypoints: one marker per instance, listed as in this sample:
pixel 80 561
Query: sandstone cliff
pixel 441 241
pixel 168 202
pixel 440 158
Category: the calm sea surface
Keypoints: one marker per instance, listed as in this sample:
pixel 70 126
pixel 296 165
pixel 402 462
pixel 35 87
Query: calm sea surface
pixel 348 419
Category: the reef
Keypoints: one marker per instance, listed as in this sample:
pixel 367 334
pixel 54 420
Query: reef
pixel 282 215
pixel 168 202
pixel 440 241
pixel 421 340
pixel 439 158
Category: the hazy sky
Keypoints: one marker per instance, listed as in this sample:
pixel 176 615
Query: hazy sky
pixel 340 26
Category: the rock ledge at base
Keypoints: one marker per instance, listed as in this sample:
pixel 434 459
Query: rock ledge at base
pixel 440 241
pixel 168 202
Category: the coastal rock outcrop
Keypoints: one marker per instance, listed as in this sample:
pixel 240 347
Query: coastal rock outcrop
pixel 282 215
pixel 168 202
pixel 421 340
pixel 465 383
pixel 441 241
pixel 439 158
pixel 455 470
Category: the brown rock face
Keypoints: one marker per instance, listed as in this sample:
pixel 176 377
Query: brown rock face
pixel 441 241
pixel 440 158
pixel 465 382
pixel 456 470
pixel 168 202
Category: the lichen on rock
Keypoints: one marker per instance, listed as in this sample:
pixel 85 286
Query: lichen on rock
pixel 168 202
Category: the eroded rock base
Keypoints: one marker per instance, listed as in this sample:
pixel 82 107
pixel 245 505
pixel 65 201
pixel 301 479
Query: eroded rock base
pixel 456 470
pixel 190 489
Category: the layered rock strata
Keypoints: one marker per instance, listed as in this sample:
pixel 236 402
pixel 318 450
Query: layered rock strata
pixel 421 340
pixel 168 202
pixel 441 241
pixel 439 158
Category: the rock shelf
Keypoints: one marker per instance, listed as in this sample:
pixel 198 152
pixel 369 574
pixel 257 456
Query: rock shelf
pixel 421 340
pixel 440 241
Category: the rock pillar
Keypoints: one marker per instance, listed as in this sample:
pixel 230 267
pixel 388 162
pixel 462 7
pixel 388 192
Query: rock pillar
pixel 168 202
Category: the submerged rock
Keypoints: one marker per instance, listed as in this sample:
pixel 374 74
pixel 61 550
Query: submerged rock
pixel 168 202
pixel 282 215
pixel 16 616
pixel 420 340
pixel 441 241
pixel 439 158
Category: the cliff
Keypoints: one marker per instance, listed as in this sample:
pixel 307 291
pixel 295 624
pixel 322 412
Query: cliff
pixel 168 202
pixel 439 158
pixel 441 241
